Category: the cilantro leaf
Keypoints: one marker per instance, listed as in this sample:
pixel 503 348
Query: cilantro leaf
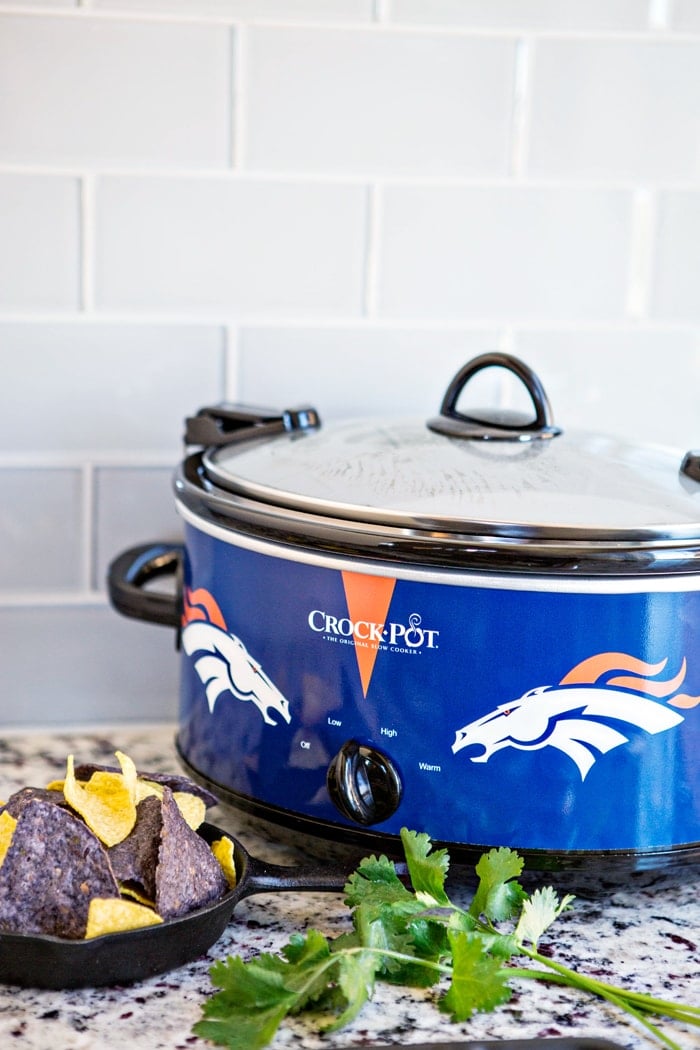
pixel 427 869
pixel 478 980
pixel 247 1012
pixel 538 914
pixel 356 982
pixel 375 881
pixel 496 896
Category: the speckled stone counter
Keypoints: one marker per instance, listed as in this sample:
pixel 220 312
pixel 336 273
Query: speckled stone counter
pixel 643 933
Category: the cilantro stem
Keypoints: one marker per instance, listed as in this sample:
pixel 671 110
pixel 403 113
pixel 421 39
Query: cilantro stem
pixel 633 1003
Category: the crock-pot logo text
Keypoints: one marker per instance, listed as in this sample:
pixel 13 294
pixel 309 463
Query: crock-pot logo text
pixel 584 715
pixel 366 627
pixel 222 661
pixel 395 635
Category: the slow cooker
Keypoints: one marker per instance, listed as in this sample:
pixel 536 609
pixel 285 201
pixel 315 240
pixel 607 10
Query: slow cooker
pixel 480 625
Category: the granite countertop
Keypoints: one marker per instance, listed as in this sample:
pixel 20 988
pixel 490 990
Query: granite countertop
pixel 643 932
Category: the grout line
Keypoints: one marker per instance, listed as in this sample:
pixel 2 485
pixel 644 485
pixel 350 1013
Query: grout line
pixel 344 322
pixel 521 112
pixel 312 178
pixel 506 343
pixel 236 90
pixel 50 599
pixel 89 527
pixel 231 377
pixel 378 22
pixel 87 243
pixel 372 239
pixel 637 299
pixel 660 14
pixel 61 730
pixel 46 460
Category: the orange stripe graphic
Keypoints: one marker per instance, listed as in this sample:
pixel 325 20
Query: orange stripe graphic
pixel 368 599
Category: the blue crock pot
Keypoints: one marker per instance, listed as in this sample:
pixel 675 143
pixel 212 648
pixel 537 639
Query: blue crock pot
pixel 481 627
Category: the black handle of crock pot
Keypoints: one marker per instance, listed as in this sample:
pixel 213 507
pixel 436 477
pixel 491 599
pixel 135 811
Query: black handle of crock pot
pixel 459 424
pixel 133 569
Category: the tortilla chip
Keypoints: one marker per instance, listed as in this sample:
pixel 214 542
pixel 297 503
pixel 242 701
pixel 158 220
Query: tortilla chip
pixel 188 875
pixel 192 808
pixel 52 869
pixel 106 802
pixel 135 858
pixel 112 915
pixel 223 851
pixel 19 799
pixel 7 828
pixel 131 893
pixel 147 788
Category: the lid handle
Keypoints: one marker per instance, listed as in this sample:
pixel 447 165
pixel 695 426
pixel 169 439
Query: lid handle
pixel 228 422
pixel 495 424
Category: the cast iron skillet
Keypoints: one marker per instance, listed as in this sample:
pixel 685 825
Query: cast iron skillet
pixel 42 961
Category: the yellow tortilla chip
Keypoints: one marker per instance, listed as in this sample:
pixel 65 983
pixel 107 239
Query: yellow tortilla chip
pixel 191 807
pixel 106 802
pixel 133 894
pixel 7 827
pixel 144 788
pixel 128 772
pixel 55 785
pixel 113 914
pixel 223 851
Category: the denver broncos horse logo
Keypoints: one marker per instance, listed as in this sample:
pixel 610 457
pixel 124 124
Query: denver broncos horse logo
pixel 574 715
pixel 225 665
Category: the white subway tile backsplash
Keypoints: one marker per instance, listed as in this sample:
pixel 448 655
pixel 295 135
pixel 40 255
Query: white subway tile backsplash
pixel 503 253
pixel 355 372
pixel 96 388
pixel 600 109
pixel 287 10
pixel 330 100
pixel 41 534
pixel 134 506
pixel 636 384
pixel 89 665
pixel 39 242
pixel 676 291
pixel 230 247
pixel 89 90
pixel 595 15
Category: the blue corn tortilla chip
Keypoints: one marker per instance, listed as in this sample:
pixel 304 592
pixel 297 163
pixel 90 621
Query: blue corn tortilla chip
pixel 135 859
pixel 188 874
pixel 16 802
pixel 52 869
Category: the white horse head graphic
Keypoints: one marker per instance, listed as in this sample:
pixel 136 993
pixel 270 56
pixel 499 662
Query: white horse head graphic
pixel 226 666
pixel 574 716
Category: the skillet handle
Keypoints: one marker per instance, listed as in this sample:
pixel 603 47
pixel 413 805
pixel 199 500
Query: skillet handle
pixel 275 878
pixel 133 569
pixel 321 878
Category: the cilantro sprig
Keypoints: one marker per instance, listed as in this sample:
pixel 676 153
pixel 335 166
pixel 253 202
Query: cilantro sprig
pixel 414 937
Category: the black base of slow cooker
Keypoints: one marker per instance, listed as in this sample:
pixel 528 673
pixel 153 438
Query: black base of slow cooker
pixel 612 864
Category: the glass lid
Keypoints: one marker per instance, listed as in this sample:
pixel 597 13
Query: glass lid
pixel 489 474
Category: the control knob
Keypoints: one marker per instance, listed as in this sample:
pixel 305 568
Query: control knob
pixel 363 783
